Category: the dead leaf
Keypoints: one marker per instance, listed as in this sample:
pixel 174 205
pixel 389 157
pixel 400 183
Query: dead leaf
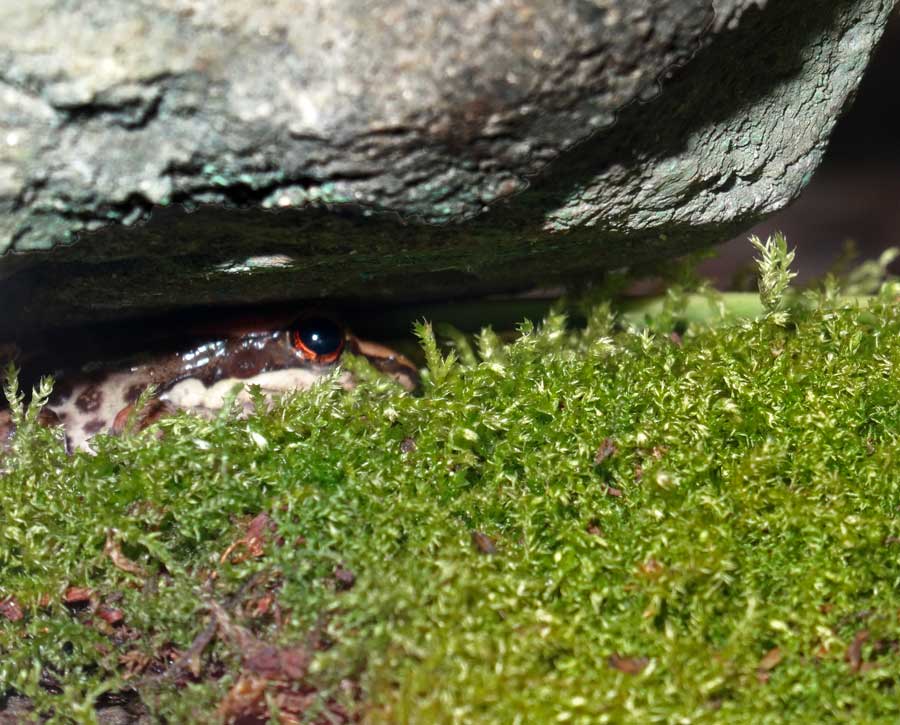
pixel 114 551
pixel 254 541
pixel 614 492
pixel 344 578
pixel 250 699
pixel 256 533
pixel 11 609
pixel 607 448
pixel 245 702
pixel 854 651
pixel 276 663
pixel 484 543
pixel 263 659
pixel 628 665
pixel 651 568
pixel 111 615
pixel 77 597
pixel 770 660
pixel 261 606
pixel 190 659
pixel 134 663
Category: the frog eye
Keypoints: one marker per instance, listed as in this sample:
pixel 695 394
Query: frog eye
pixel 318 339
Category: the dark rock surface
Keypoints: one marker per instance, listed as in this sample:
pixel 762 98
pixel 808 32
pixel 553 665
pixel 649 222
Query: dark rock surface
pixel 395 150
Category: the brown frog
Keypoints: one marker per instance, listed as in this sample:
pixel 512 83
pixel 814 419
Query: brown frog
pixel 100 397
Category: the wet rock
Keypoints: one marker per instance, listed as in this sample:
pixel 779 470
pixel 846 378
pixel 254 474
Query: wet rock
pixel 395 150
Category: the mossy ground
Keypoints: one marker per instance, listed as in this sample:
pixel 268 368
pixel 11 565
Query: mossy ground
pixel 610 524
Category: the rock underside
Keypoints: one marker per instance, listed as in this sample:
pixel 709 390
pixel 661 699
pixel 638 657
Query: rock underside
pixel 174 153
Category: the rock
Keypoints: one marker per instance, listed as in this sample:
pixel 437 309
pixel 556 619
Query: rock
pixel 209 153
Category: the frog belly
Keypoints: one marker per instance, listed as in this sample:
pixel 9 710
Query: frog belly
pixel 92 408
pixel 192 394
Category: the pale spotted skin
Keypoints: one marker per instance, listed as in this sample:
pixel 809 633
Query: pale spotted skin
pixel 198 379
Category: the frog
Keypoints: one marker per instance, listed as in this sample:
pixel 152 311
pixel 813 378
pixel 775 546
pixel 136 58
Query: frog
pixel 201 375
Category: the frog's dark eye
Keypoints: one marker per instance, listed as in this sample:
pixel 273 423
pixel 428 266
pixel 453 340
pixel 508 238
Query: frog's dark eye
pixel 318 339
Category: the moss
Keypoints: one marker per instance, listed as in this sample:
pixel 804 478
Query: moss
pixel 609 524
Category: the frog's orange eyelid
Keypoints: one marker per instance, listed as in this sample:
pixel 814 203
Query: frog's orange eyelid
pixel 311 355
pixel 306 348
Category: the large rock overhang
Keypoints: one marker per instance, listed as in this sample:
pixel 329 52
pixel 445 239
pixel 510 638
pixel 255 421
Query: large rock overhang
pixel 158 156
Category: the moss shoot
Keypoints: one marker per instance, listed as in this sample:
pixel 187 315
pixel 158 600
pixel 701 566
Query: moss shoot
pixel 661 517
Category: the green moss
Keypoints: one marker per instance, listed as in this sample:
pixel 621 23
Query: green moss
pixel 662 512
